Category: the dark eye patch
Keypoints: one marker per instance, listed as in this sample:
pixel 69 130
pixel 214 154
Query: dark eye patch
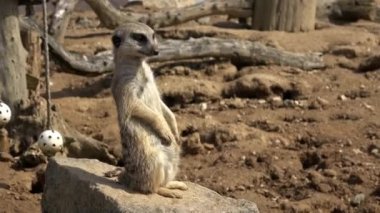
pixel 139 37
pixel 116 41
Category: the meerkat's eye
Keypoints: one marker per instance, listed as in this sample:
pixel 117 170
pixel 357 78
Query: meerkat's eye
pixel 116 41
pixel 139 37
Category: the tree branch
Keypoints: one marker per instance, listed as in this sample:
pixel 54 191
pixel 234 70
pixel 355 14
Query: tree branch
pixel 112 17
pixel 245 51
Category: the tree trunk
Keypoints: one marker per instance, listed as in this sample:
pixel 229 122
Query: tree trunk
pixel 61 19
pixel 284 15
pixel 12 56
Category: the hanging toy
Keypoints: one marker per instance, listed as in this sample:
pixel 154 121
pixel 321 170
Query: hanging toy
pixel 50 141
pixel 5 114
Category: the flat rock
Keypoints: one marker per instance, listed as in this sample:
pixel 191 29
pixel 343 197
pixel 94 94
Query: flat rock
pixel 78 185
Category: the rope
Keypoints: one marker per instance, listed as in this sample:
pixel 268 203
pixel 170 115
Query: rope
pixel 47 70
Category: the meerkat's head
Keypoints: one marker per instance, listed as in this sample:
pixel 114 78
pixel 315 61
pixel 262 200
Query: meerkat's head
pixel 134 40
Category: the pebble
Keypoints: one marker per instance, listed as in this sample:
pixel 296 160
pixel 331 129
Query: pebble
pixel 342 98
pixel 358 199
pixel 262 101
pixel 375 151
pixel 208 146
pixel 240 188
pixel 329 173
pixel 203 107
pixel 357 151
pixel 323 101
pixel 369 107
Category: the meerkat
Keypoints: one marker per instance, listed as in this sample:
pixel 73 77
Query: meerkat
pixel 148 128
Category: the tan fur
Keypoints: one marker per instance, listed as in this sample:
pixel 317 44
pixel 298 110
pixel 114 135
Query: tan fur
pixel 148 128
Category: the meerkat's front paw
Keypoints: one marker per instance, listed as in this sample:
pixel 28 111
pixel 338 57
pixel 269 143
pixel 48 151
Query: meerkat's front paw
pixel 114 173
pixel 177 185
pixel 167 137
pixel 165 192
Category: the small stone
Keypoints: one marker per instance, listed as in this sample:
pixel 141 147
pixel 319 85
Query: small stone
pixel 357 151
pixel 358 199
pixel 330 173
pixel 262 101
pixel 236 103
pixel 204 21
pixel 240 188
pixel 203 107
pixel 369 107
pixel 323 101
pixel 342 98
pixel 82 108
pixel 276 101
pixel 208 146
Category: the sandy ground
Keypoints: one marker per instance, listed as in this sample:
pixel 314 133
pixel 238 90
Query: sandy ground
pixel 303 141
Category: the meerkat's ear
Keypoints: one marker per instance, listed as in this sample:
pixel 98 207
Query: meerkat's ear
pixel 116 41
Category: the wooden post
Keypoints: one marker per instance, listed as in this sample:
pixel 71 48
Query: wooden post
pixel 32 42
pixel 12 56
pixel 284 15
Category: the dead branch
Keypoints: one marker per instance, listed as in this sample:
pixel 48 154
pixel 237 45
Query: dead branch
pixel 112 17
pixel 244 51
pixel 91 64
pixel 61 18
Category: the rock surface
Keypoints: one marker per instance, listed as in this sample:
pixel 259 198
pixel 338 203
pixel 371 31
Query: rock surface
pixel 79 185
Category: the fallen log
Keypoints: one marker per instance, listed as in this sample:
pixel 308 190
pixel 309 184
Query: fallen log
pixel 112 17
pixel 254 53
pixel 248 52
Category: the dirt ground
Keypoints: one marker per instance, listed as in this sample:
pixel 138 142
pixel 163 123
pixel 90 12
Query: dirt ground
pixel 288 139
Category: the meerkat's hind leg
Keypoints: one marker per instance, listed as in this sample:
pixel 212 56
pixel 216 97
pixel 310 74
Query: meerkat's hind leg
pixel 115 173
pixel 177 185
pixel 169 193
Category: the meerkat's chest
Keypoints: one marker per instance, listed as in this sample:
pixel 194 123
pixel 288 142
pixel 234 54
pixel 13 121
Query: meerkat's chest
pixel 149 93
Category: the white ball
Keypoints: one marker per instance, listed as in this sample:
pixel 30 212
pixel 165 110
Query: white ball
pixel 50 141
pixel 5 113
